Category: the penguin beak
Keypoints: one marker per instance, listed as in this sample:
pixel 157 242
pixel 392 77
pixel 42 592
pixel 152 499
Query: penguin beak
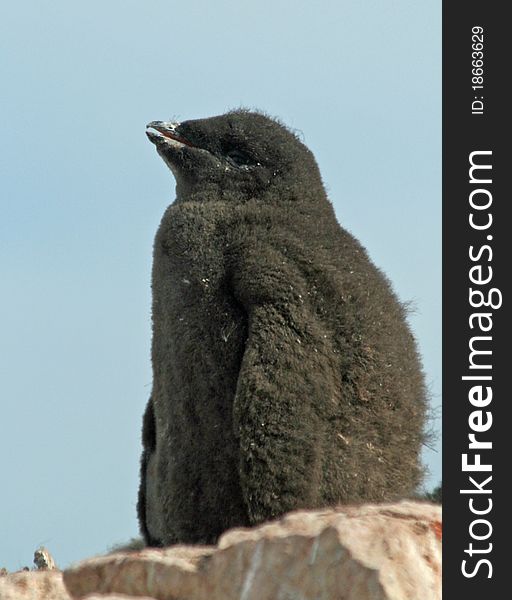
pixel 158 131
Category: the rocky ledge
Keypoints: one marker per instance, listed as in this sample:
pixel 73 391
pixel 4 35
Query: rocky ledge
pixel 369 552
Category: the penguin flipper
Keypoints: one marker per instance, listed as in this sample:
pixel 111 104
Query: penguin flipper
pixel 279 406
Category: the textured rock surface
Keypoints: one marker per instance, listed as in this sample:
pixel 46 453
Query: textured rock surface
pixel 115 597
pixel 44 560
pixel 386 552
pixel 33 585
pixel 30 585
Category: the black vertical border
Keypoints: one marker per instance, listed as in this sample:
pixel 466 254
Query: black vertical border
pixel 463 133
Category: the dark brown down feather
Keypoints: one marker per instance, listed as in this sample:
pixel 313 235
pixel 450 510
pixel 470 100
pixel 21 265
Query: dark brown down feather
pixel 285 375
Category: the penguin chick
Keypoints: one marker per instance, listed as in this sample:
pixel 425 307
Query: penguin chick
pixel 285 375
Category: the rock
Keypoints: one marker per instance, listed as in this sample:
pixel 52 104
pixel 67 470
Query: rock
pixel 43 559
pixel 371 552
pixel 33 585
pixel 115 597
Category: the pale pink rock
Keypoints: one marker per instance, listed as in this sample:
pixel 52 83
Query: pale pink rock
pixel 33 585
pixel 115 597
pixel 371 552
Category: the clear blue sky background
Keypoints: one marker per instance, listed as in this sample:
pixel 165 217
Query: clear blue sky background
pixel 82 192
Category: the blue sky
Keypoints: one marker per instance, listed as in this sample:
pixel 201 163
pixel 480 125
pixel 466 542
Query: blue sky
pixel 82 193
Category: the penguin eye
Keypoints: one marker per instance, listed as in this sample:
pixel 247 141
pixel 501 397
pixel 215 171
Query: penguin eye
pixel 239 158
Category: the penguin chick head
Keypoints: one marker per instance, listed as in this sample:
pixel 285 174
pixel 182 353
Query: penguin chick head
pixel 236 157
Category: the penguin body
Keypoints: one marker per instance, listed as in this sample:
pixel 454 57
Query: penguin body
pixel 285 375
